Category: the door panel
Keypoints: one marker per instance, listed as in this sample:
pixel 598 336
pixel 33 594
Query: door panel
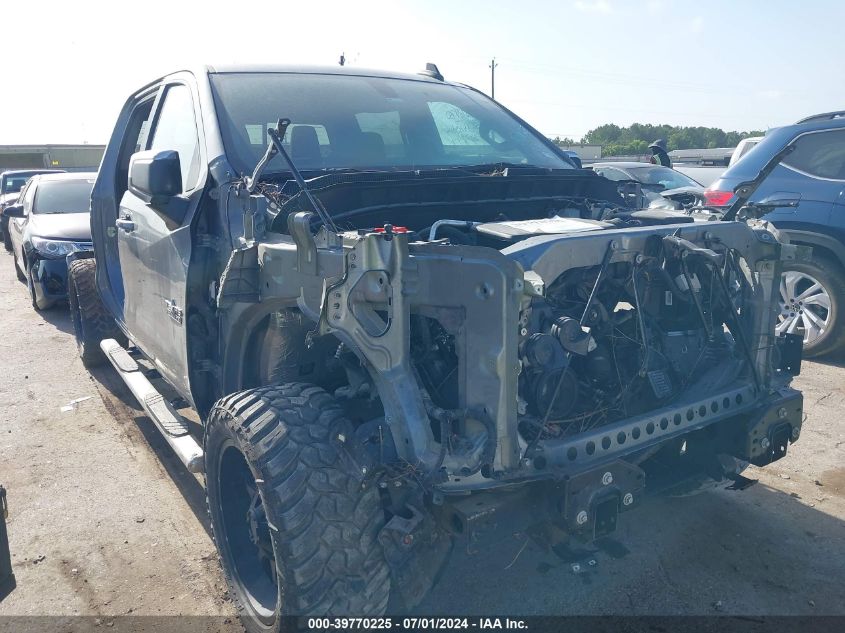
pixel 815 171
pixel 128 137
pixel 154 270
pixel 815 196
pixel 17 226
pixel 154 254
pixel 16 229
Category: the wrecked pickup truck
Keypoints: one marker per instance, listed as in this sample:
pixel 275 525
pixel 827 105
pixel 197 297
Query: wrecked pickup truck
pixel 398 310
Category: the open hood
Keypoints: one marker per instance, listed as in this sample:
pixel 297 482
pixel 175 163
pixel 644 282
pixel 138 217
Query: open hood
pixel 414 198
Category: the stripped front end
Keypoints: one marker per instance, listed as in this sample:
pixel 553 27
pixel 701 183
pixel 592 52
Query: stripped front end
pixel 554 354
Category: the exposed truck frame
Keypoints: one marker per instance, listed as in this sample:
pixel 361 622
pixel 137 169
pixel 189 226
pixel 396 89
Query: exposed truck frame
pixel 315 355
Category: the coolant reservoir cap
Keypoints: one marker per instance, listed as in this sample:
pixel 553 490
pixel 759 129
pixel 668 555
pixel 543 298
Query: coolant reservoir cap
pixel 389 228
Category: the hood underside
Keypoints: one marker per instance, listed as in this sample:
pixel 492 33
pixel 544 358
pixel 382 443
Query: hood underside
pixel 416 199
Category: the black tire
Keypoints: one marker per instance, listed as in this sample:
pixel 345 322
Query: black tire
pixel 832 279
pixel 284 451
pixel 7 239
pixel 18 271
pixel 91 321
pixel 38 306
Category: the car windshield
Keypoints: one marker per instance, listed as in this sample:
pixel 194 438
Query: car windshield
pixel 661 177
pixel 13 184
pixel 63 196
pixel 370 123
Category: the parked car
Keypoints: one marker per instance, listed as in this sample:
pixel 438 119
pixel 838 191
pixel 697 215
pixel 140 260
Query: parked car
pixel 704 174
pixel 809 184
pixel 662 187
pixel 50 221
pixel 396 320
pixel 11 183
pixel 743 147
pixel 573 156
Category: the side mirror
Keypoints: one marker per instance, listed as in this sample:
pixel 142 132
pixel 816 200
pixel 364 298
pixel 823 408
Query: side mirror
pixel 14 211
pixel 155 176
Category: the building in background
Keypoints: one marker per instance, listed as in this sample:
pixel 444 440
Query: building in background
pixel 68 157
pixel 585 152
pixel 710 156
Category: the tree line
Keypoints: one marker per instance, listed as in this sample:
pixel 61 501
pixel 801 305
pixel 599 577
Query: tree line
pixel 635 139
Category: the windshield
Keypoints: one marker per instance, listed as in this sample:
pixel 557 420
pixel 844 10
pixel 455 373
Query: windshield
pixel 63 196
pixel 351 122
pixel 662 177
pixel 13 184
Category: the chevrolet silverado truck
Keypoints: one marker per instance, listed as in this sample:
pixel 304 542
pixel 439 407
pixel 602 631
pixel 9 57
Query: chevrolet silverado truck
pixel 400 314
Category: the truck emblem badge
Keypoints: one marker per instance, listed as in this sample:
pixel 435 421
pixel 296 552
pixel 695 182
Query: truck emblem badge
pixel 173 311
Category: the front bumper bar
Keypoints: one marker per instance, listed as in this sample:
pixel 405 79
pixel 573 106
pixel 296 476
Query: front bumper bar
pixel 615 441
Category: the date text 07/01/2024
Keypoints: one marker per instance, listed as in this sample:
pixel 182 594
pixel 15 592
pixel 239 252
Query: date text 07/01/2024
pixel 416 623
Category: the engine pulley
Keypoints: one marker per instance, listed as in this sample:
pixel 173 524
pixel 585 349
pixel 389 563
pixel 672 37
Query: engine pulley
pixel 541 390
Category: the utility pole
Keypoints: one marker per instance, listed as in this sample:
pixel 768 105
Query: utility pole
pixel 493 65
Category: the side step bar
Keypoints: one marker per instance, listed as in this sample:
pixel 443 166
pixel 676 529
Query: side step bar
pixel 170 424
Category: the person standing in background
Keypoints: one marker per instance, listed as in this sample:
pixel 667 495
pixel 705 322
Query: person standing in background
pixel 659 155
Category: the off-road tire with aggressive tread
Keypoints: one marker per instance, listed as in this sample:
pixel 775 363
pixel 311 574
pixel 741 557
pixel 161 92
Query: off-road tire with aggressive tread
pixel 91 321
pixel 296 442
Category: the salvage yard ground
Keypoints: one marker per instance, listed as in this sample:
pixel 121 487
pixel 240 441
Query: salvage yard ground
pixel 104 520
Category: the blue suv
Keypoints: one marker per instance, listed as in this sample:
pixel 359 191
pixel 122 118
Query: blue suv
pixel 806 195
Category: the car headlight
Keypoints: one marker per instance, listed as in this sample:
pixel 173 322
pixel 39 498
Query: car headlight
pixel 58 248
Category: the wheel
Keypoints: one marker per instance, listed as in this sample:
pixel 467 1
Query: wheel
pixel 37 304
pixel 91 321
pixel 810 293
pixel 21 275
pixel 7 238
pixel 294 521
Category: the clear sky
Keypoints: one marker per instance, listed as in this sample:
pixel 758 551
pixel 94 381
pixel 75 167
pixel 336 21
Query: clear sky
pixel 566 66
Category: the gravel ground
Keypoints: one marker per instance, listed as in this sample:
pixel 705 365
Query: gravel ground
pixel 105 521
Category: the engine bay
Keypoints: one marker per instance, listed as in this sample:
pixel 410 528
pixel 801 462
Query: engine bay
pixel 498 324
pixel 609 341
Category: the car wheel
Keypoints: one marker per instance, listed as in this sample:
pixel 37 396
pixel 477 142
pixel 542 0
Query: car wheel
pixel 91 321
pixel 294 521
pixel 37 304
pixel 21 275
pixel 7 240
pixel 810 294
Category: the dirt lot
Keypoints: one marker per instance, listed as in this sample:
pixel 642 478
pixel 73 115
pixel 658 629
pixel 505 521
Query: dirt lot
pixel 105 521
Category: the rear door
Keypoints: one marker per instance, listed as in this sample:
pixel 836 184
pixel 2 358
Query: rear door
pixel 154 253
pixel 813 174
